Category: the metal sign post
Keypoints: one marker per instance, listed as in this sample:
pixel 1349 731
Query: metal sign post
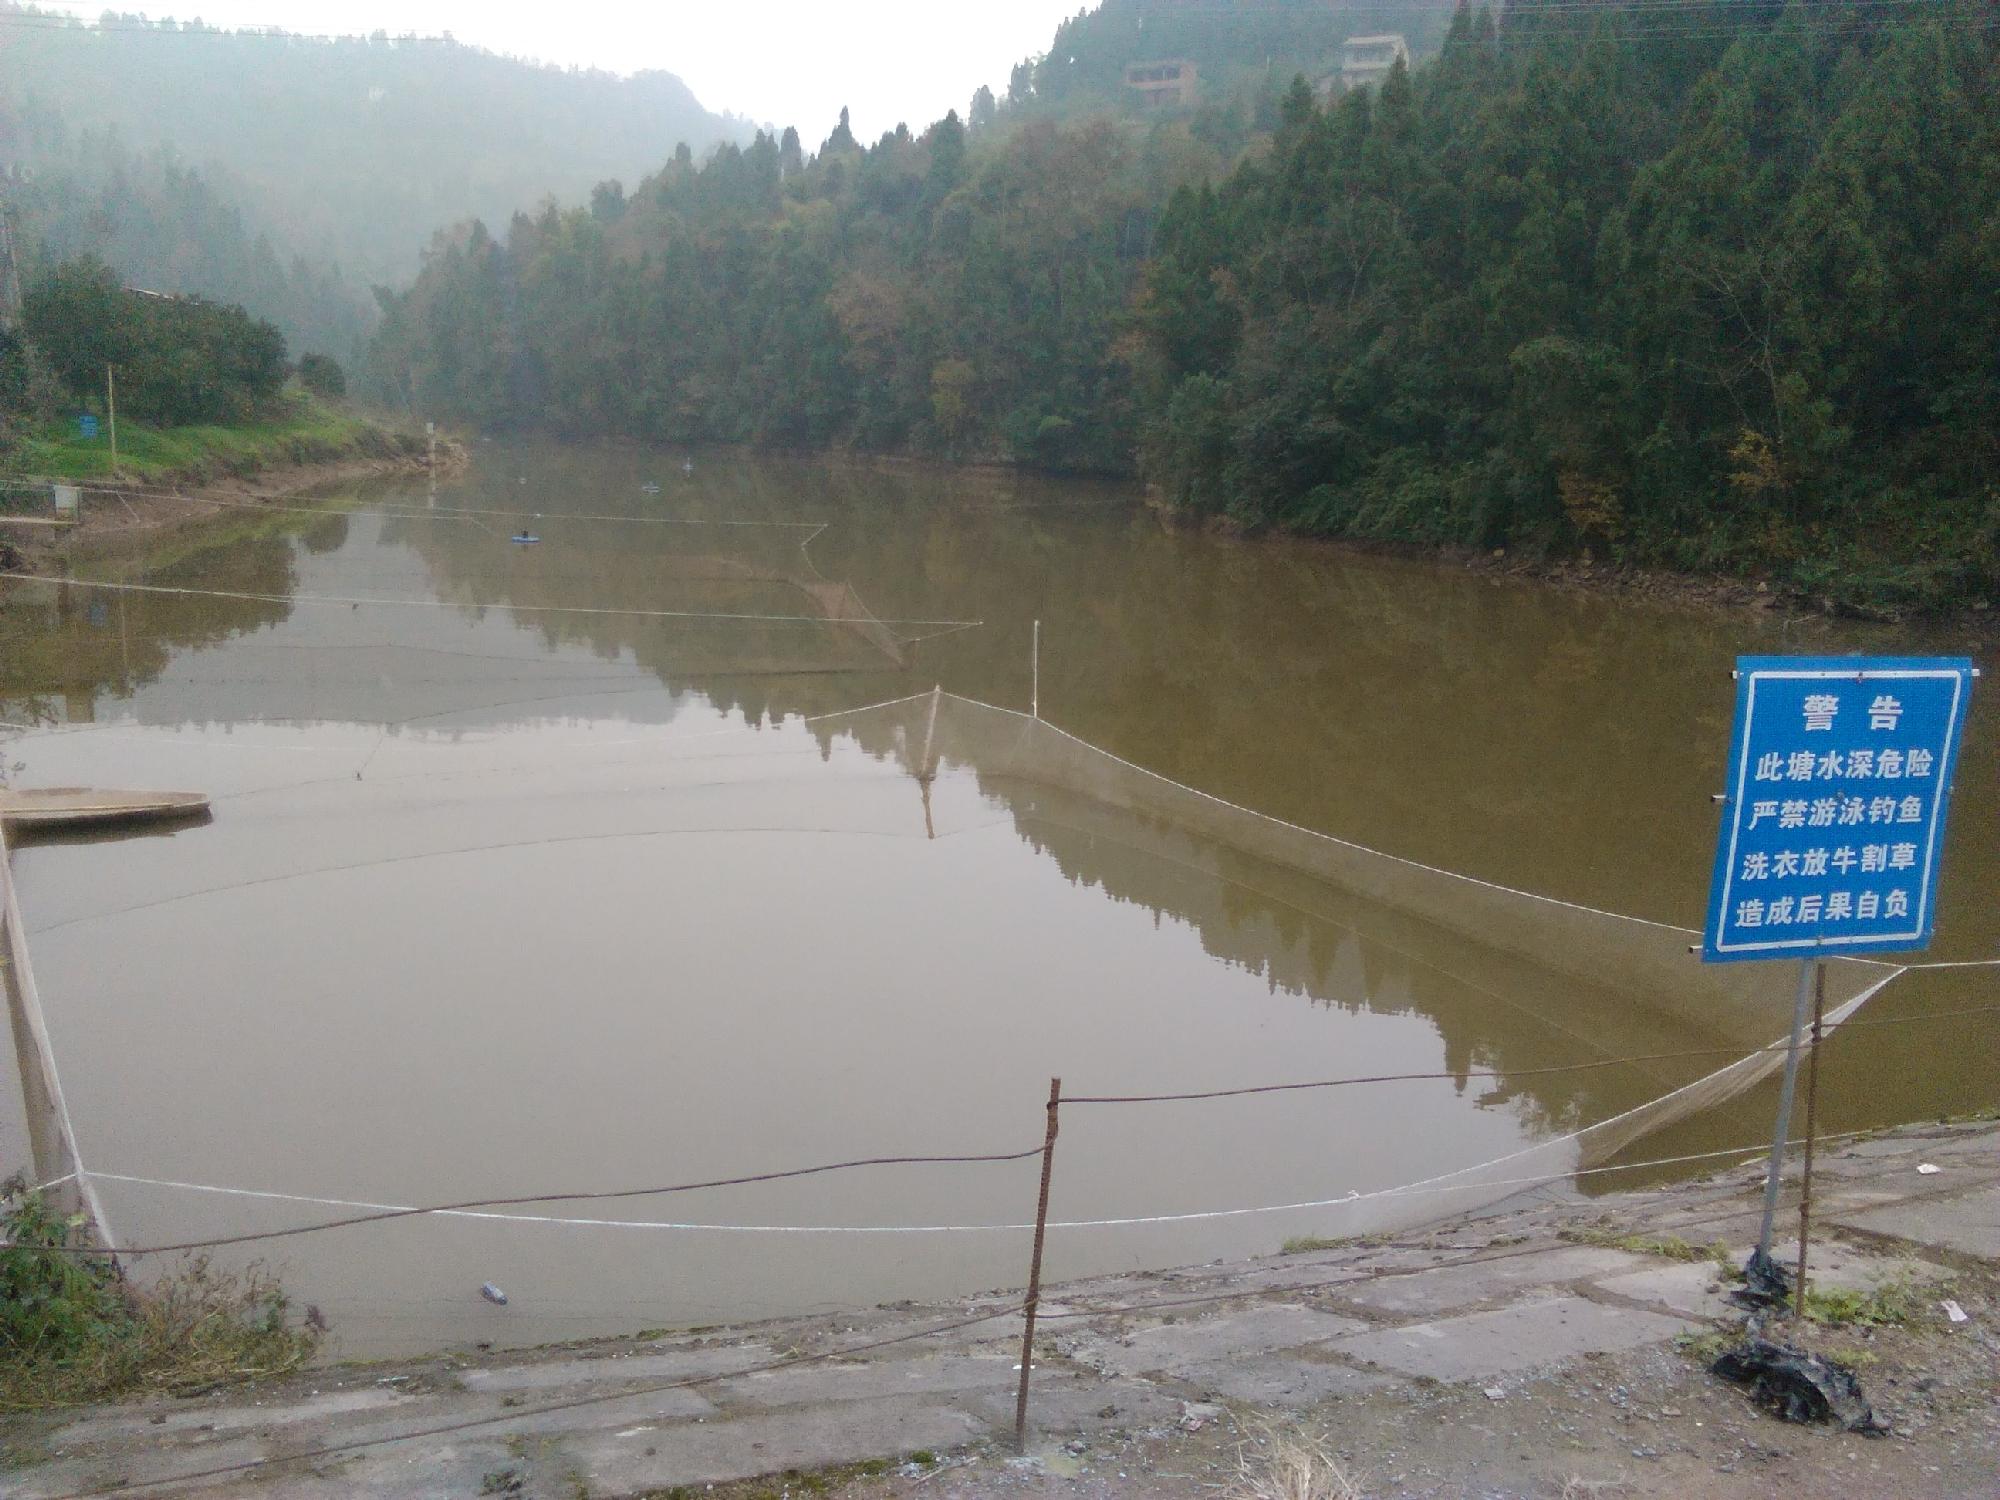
pixel 1760 1258
pixel 1839 779
pixel 1812 1125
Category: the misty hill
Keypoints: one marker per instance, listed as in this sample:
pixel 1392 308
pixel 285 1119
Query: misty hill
pixel 1234 47
pixel 167 228
pixel 349 151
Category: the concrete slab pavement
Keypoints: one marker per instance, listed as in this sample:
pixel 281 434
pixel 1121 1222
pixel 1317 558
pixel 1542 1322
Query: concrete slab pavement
pixel 1523 1336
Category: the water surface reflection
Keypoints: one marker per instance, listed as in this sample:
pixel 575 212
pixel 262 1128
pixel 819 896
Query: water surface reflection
pixel 500 895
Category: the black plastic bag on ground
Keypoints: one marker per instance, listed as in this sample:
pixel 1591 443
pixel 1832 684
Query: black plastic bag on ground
pixel 1765 1283
pixel 1800 1387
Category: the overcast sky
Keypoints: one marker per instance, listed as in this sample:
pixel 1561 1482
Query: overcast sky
pixel 786 62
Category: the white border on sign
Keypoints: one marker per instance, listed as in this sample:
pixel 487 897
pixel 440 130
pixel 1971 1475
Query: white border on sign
pixel 1945 770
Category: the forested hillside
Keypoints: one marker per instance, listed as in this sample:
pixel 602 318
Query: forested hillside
pixel 1708 286
pixel 347 151
pixel 1713 298
pixel 961 294
pixel 1238 49
pixel 167 228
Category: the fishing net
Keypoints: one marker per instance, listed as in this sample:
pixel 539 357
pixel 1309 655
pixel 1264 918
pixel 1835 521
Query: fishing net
pixel 822 877
pixel 1634 983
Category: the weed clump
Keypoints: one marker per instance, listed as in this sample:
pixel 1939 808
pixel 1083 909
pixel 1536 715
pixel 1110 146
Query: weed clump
pixel 72 1329
pixel 1667 1246
pixel 1890 1304
pixel 1288 1464
pixel 1307 1243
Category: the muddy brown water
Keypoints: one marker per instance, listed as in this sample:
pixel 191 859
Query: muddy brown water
pixel 511 888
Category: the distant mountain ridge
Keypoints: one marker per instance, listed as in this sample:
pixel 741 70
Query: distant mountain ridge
pixel 348 151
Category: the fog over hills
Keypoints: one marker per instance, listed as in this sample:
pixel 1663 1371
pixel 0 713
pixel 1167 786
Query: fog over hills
pixel 348 152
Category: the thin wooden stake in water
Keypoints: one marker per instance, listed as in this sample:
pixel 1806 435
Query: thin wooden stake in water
pixel 924 769
pixel 1035 673
pixel 111 411
pixel 926 772
pixel 1812 1123
pixel 1035 1272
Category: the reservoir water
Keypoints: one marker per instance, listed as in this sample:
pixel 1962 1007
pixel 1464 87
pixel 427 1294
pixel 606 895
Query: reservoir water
pixel 556 868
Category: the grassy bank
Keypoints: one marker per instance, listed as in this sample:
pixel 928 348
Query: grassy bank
pixel 300 429
pixel 72 1329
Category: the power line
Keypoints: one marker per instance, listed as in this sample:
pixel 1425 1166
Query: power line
pixel 266 500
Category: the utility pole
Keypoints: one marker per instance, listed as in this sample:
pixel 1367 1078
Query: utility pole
pixel 111 411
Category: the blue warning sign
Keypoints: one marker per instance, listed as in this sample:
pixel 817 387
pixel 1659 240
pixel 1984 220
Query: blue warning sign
pixel 1833 821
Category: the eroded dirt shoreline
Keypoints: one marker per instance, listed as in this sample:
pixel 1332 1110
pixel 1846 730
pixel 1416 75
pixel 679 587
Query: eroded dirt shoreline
pixel 116 515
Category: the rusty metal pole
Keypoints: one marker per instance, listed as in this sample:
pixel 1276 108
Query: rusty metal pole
pixel 1812 1114
pixel 1035 1271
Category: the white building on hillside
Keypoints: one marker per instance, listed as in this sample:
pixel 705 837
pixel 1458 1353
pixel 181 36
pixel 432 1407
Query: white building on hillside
pixel 1368 59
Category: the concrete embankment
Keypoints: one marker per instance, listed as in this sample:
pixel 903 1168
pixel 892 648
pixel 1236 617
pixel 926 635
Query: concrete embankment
pixel 1527 1352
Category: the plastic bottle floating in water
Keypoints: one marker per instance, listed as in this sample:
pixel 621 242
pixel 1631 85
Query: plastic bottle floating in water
pixel 525 538
pixel 493 1294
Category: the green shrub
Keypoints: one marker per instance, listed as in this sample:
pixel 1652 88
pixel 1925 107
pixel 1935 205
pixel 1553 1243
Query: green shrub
pixel 73 1329
pixel 321 374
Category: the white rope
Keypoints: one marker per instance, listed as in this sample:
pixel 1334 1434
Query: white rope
pixel 165 737
pixel 1412 1189
pixel 1445 1182
pixel 556 609
pixel 254 502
